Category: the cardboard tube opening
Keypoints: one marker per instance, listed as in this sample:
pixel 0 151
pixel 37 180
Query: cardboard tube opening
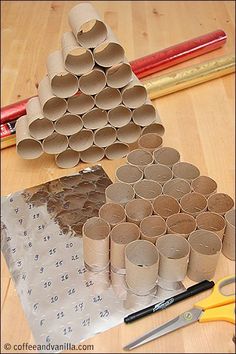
pixel 104 137
pixel 134 95
pixel 112 213
pixel 95 119
pixel 211 222
pixel 193 203
pixel 159 173
pixel 205 250
pixel 181 223
pixel 81 141
pixel 128 174
pixel 156 127
pixel 55 143
pixel 229 237
pixel 80 104
pixel 204 185
pixel 119 75
pixel 138 209
pixel 150 142
pixel 92 82
pixel 108 98
pixel 110 52
pixel 144 115
pixel 129 133
pixel 116 151
pixel 119 116
pixel 220 203
pixel 176 188
pixel 152 227
pixel 186 171
pixel 92 154
pixel 119 193
pixel 147 189
pixel 69 124
pixel 165 205
pixel 140 158
pixel 67 159
pixel 166 156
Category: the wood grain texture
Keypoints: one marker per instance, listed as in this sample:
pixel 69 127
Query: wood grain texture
pixel 199 122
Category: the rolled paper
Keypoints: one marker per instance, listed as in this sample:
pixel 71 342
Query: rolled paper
pixel 138 209
pixel 120 236
pixel 82 140
pixel 63 83
pixel 53 107
pixel 95 119
pixel 116 150
pixel 93 82
pixel 211 222
pixel 150 142
pixel 155 127
pixel 26 146
pixel 67 159
pixel 166 156
pixel 108 98
pixel 104 137
pixel 80 104
pixel 120 193
pixel 128 174
pixel 229 236
pixel 165 205
pixel 174 253
pixel 134 94
pixel 112 213
pixel 92 154
pixel 220 203
pixel 159 173
pixel 147 189
pixel 140 158
pixel 181 223
pixel 69 124
pixel 119 116
pixel 176 188
pixel 39 127
pixel 129 133
pixel 144 115
pixel 87 25
pixel 119 75
pixel 186 171
pixel 204 255
pixel 152 227
pixel 96 244
pixel 55 143
pixel 204 185
pixel 193 203
pixel 141 263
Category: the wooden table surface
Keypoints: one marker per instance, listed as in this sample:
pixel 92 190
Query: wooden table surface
pixel 199 122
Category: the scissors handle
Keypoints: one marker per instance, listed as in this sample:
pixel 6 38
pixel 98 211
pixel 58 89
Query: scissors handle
pixel 221 313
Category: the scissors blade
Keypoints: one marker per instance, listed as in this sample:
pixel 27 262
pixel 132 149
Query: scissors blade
pixel 180 321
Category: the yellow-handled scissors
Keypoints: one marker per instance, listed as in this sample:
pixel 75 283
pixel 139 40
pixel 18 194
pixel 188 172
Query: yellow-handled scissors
pixel 216 307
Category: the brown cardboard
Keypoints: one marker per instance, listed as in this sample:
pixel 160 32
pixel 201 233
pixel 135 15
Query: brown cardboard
pixel 95 119
pixel 150 142
pixel 147 189
pixel 129 133
pixel 138 209
pixel 139 158
pixel 204 185
pixel 117 150
pixel 92 154
pixel 176 188
pixel 55 143
pixel 166 156
pixel 144 115
pixel 133 302
pixel 112 213
pixel 92 82
pixel 119 193
pixel 101 280
pixel 152 227
pixel 119 116
pixel 181 223
pixel 186 171
pixel 104 137
pixel 229 236
pixel 155 127
pixel 159 173
pixel 119 285
pixel 193 203
pixel 128 174
pixel 80 104
pixel 119 75
pixel 165 205
pixel 67 159
pixel 134 94
pixel 69 124
pixel 108 98
pixel 211 222
pixel 220 203
pixel 81 141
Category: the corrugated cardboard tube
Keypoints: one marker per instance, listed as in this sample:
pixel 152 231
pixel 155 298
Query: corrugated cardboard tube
pixel 144 115
pixel 95 119
pixel 80 104
pixel 166 156
pixel 104 137
pixel 67 159
pixel 87 25
pixel 108 98
pixel 152 227
pixel 159 173
pixel 220 203
pixel 141 263
pixel 140 158
pixel 53 107
pixel 174 253
pixel 69 124
pixel 211 222
pixel 121 235
pixel 186 171
pixel 119 192
pixel 55 143
pixel 204 185
pixel 193 203
pixel 134 94
pixel 95 233
pixel 26 146
pixel 119 75
pixel 128 174
pixel 150 142
pixel 77 60
pixel 165 205
pixel 81 141
pixel 63 83
pixel 101 280
pixel 39 127
pixel 181 223
pixel 92 154
pixel 116 150
pixel 129 133
pixel 93 82
pixel 155 127
pixel 138 209
pixel 112 213
pixel 119 116
pixel 176 188
pixel 147 189
pixel 229 237
pixel 205 250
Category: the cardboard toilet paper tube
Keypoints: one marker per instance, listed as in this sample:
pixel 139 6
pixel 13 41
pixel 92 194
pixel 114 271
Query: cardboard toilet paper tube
pixel 87 25
pixel 205 250
pixel 139 158
pixel 77 60
pixel 92 154
pixel 166 156
pixel 229 237
pixel 155 127
pixel 120 193
pixel 119 285
pixel 186 171
pixel 120 236
pixel 108 98
pixel 144 115
pixel 95 233
pixel 165 205
pixel 119 116
pixel 55 143
pixel 93 82
pixel 150 142
pixel 80 104
pixel 69 124
pixel 211 222
pixel 63 83
pixel 101 280
pixel 147 189
pixel 112 213
pixel 116 150
pixel 95 119
pixel 220 203
pixel 181 223
pixel 67 159
pixel 138 209
pixel 128 174
pixel 176 188
pixel 82 140
pixel 159 173
pixel 26 146
pixel 104 137
pixel 129 133
pixel 204 185
pixel 119 75
pixel 174 253
pixel 141 263
pixel 53 107
pixel 152 227
pixel 193 203
pixel 39 127
pixel 134 94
